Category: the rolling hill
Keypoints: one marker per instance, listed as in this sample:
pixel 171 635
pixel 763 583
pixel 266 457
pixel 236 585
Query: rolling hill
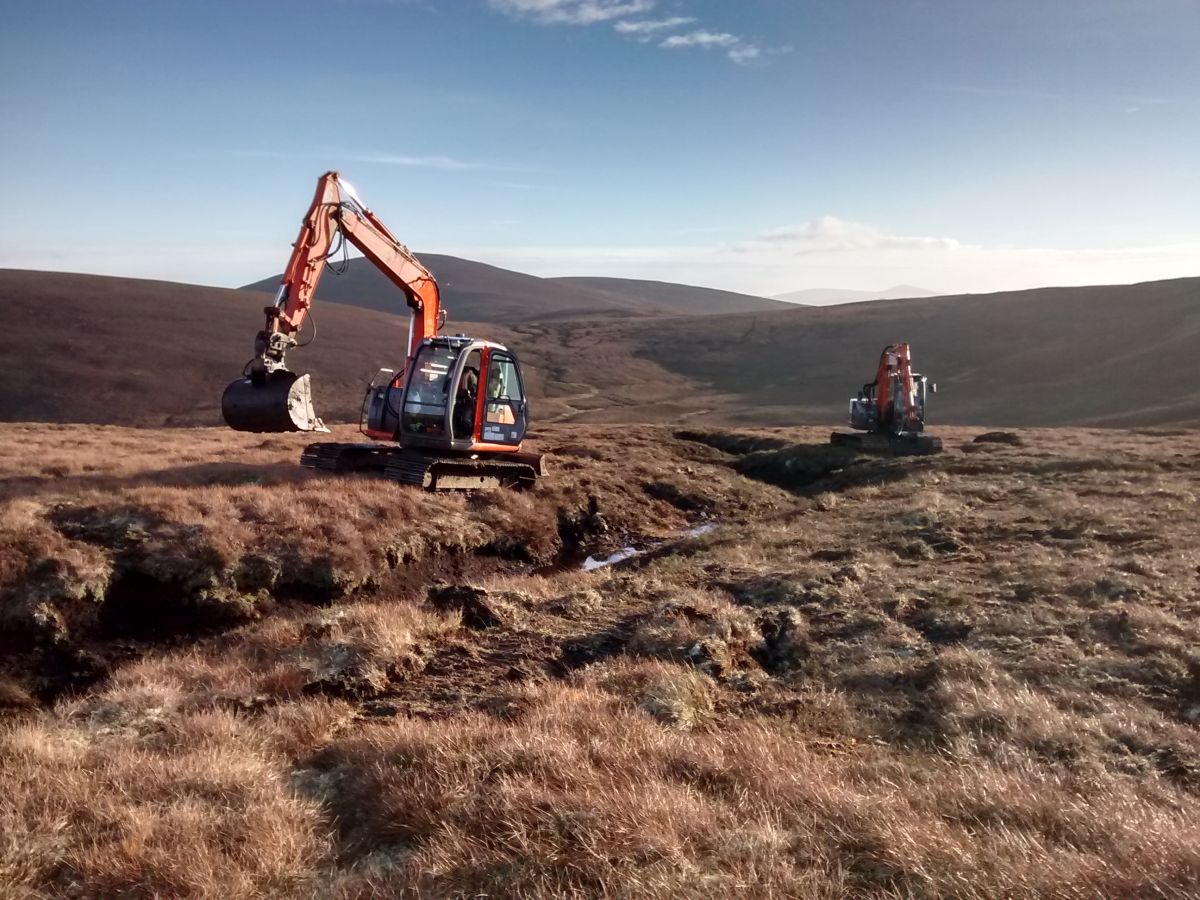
pixel 826 296
pixel 680 298
pixel 136 352
pixel 90 348
pixel 477 292
pixel 125 351
pixel 1111 355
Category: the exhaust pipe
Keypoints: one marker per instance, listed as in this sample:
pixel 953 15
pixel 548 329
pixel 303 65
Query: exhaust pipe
pixel 282 402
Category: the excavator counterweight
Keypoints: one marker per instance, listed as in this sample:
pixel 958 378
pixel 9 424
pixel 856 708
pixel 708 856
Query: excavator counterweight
pixel 453 417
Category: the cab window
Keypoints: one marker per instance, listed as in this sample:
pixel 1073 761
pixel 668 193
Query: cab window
pixel 504 392
pixel 427 397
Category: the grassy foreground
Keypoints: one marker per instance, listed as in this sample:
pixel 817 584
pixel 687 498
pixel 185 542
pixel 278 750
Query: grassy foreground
pixel 974 675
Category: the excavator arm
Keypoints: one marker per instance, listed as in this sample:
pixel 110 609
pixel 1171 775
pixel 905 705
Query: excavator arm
pixel 896 360
pixel 270 397
pixel 336 209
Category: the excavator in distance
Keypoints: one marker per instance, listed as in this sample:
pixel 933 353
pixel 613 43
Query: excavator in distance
pixel 889 413
pixel 453 418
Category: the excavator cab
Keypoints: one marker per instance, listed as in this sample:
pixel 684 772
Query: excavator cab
pixel 458 394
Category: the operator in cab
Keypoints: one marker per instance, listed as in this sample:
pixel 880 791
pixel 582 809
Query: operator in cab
pixel 464 403
pixel 498 411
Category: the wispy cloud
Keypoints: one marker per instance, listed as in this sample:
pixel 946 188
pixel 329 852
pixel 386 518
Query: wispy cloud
pixel 445 163
pixel 622 14
pixel 646 27
pixel 572 12
pixel 699 39
pixel 745 53
pixel 738 49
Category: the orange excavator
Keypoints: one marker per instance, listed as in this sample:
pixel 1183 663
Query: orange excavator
pixel 889 412
pixel 453 418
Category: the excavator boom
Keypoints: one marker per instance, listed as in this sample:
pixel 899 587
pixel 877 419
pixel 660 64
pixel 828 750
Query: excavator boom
pixel 269 397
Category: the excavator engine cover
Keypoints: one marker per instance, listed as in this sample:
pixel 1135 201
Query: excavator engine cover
pixel 283 402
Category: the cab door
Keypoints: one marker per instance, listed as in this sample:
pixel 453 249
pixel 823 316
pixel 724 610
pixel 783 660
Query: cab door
pixel 504 407
pixel 424 418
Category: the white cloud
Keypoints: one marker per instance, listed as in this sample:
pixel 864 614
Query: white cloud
pixel 834 253
pixel 573 12
pixel 591 12
pixel 650 26
pixel 737 49
pixel 829 234
pixel 700 38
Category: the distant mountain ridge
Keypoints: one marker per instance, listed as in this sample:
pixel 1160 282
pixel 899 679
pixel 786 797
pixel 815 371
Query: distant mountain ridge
pixel 829 296
pixel 471 291
pixel 1013 358
pixel 478 292
pixel 683 298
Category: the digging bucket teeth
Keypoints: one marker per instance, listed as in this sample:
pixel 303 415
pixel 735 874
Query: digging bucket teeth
pixel 282 402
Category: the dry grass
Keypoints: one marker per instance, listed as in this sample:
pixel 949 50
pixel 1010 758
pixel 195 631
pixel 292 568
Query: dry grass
pixel 975 675
pixel 543 805
pixel 140 803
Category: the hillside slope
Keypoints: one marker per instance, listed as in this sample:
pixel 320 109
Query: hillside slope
pixel 1112 355
pixel 86 348
pixel 471 292
pixel 827 296
pixel 124 351
pixel 681 298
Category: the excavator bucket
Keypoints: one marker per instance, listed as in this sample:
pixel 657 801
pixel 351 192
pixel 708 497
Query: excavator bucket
pixel 283 402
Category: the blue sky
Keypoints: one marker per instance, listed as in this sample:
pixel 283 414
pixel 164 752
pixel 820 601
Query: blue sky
pixel 762 145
